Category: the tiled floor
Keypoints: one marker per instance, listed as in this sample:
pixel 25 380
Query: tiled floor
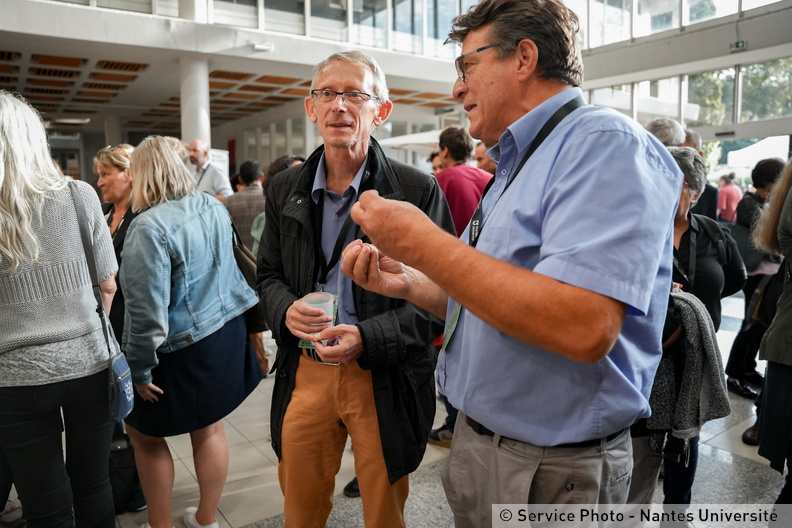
pixel 729 471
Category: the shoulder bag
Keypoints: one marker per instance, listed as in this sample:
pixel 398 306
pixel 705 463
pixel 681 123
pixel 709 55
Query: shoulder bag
pixel 254 317
pixel 121 394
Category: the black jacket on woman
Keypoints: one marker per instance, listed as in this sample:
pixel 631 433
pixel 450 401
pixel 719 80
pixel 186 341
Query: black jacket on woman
pixel 397 336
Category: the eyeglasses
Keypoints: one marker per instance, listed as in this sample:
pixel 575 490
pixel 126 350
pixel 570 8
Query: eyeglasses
pixel 460 65
pixel 355 98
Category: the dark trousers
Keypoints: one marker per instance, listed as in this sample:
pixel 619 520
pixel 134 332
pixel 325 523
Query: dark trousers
pixel 678 479
pixel 742 356
pixel 54 493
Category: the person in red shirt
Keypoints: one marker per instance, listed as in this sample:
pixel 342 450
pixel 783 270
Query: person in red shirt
pixel 728 198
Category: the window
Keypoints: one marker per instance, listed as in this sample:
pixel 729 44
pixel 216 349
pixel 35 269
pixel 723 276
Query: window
pixel 712 96
pixel 329 19
pixel 371 19
pixel 285 16
pixel 766 90
pixel 408 25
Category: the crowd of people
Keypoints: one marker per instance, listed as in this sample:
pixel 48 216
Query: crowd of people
pixel 567 343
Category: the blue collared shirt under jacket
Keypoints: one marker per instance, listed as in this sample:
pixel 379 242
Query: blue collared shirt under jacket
pixel 180 278
pixel 335 211
pixel 593 207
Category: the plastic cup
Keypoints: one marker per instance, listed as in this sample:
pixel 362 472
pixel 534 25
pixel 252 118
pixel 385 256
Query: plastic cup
pixel 321 300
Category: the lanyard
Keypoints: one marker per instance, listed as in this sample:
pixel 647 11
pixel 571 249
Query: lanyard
pixel 324 265
pixel 547 128
pixel 200 176
pixel 475 221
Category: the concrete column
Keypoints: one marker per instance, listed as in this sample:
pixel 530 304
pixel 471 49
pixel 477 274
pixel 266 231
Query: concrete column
pixel 195 10
pixel 195 123
pixel 112 128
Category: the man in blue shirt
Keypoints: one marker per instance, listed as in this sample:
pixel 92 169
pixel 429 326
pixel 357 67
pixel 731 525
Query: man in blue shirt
pixel 554 317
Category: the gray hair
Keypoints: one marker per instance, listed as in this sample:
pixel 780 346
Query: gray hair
pixel 668 131
pixel 692 166
pixel 380 87
pixel 694 138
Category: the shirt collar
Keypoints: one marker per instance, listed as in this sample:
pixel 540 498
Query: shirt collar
pixel 320 181
pixel 524 130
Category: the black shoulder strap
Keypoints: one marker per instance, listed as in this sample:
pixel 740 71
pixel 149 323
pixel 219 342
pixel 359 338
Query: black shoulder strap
pixel 715 231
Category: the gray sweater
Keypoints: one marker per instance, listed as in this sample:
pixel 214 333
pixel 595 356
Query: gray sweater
pixel 49 328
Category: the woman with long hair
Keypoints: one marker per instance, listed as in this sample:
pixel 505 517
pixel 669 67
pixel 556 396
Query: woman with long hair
pixel 184 330
pixel 53 354
pixel 773 233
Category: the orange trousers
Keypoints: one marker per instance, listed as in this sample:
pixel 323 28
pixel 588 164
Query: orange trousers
pixel 329 402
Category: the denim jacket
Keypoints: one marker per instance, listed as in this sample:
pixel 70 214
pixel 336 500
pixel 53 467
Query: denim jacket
pixel 180 279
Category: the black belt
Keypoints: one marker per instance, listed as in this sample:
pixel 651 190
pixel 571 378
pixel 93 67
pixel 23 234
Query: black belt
pixel 480 429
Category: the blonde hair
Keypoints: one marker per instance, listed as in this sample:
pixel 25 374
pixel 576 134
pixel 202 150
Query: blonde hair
pixel 27 174
pixel 118 157
pixel 765 233
pixel 180 148
pixel 158 175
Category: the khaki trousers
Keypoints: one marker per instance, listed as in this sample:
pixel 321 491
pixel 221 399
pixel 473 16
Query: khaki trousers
pixel 484 470
pixel 329 402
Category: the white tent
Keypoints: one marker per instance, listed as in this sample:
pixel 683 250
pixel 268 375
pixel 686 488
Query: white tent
pixel 421 142
pixel 772 147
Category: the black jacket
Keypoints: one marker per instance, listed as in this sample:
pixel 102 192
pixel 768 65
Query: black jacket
pixel 116 315
pixel 397 336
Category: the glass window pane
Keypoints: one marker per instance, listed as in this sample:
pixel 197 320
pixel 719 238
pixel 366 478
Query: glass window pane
pixel 285 16
pixel 751 4
pixel 658 98
pixel 371 22
pixel 701 10
pixel 329 19
pixel 408 25
pixel 767 90
pixel 655 16
pixel 280 139
pixel 264 146
pixel 236 13
pixel 140 6
pixel 439 14
pixel 710 98
pixel 168 8
pixel 297 146
pixel 616 97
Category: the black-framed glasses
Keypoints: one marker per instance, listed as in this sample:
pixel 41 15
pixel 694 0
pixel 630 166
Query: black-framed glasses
pixel 460 65
pixel 355 98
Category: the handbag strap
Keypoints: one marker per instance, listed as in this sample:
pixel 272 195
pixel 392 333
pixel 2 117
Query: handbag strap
pixel 82 220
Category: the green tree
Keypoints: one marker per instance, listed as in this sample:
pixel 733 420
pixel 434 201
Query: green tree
pixel 767 90
pixel 702 10
pixel 713 92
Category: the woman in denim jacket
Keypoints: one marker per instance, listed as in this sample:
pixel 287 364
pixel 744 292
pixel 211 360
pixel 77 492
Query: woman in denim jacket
pixel 184 330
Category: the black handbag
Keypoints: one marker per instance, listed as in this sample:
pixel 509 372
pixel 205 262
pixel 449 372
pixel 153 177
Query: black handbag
pixel 254 317
pixel 751 255
pixel 121 395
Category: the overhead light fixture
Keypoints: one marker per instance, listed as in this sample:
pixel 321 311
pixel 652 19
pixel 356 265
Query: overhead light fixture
pixel 263 46
pixel 72 121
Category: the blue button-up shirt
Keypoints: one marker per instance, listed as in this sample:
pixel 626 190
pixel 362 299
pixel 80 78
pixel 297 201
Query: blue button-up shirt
pixel 334 213
pixel 593 207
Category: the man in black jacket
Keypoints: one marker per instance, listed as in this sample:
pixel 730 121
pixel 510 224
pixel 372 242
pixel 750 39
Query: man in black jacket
pixel 374 377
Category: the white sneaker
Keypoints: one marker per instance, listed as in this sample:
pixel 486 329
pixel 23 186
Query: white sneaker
pixel 190 522
pixel 11 517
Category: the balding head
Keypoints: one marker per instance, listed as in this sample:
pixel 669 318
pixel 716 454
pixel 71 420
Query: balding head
pixel 199 153
pixel 668 131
